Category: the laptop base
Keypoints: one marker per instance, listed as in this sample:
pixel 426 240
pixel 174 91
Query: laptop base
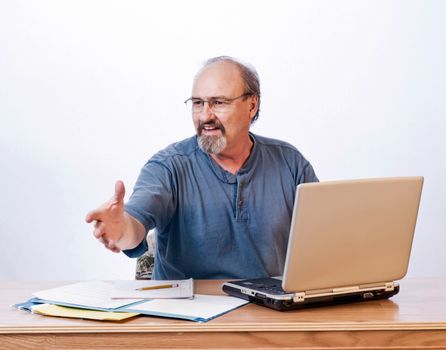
pixel 267 292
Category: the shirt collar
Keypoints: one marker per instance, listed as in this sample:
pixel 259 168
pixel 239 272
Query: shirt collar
pixel 226 176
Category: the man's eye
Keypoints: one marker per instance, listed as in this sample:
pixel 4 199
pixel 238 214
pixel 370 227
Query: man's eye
pixel 197 102
pixel 219 102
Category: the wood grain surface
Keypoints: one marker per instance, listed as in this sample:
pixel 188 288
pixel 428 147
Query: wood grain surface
pixel 413 319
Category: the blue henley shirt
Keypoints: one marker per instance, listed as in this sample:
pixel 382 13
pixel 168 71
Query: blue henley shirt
pixel 211 224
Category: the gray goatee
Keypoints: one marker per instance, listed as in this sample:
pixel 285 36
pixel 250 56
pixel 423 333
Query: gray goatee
pixel 212 144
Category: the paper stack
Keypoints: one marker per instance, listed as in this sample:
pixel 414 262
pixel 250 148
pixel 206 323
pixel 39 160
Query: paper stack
pixel 119 300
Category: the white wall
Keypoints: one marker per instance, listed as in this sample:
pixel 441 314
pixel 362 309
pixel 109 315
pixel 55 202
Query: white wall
pixel 89 90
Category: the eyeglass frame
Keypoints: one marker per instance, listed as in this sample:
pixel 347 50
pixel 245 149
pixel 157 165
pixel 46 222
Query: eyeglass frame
pixel 211 101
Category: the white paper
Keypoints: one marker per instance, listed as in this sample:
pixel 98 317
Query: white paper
pixel 93 294
pixel 129 289
pixel 200 307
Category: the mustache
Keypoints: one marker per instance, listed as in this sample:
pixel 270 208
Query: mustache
pixel 215 123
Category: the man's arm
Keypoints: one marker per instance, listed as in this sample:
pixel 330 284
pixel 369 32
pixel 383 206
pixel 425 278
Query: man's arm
pixel 113 227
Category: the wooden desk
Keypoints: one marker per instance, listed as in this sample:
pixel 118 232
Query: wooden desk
pixel 415 318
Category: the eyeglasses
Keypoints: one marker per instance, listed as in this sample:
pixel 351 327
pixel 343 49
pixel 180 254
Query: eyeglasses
pixel 216 104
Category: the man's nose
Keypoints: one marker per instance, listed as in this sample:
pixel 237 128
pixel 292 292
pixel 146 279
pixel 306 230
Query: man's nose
pixel 207 113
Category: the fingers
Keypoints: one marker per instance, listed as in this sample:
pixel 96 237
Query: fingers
pixel 91 216
pixel 100 233
pixel 108 219
pixel 113 248
pixel 101 212
pixel 99 229
pixel 119 191
pixel 109 244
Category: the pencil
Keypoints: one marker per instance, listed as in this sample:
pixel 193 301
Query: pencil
pixel 159 286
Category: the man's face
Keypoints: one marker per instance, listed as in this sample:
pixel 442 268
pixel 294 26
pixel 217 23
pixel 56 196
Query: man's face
pixel 220 129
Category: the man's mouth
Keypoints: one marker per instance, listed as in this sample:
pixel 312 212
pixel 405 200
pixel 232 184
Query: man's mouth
pixel 210 128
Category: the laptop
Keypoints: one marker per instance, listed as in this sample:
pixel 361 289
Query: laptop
pixel 349 241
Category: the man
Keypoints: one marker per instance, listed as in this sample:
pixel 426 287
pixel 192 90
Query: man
pixel 221 201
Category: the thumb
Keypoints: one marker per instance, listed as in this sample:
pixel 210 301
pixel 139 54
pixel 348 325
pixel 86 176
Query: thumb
pixel 119 191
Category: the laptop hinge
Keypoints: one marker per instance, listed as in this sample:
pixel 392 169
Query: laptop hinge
pixel 389 286
pixel 299 297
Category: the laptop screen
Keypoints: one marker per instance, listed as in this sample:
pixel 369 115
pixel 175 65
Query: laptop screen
pixel 351 233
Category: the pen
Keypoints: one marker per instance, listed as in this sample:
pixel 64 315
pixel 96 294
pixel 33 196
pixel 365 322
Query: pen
pixel 159 286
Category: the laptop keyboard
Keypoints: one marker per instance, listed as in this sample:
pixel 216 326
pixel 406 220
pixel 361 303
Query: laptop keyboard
pixel 272 289
pixel 266 285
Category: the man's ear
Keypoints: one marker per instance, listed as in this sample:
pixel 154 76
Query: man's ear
pixel 253 106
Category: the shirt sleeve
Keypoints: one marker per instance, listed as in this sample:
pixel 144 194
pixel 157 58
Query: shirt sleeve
pixel 308 174
pixel 302 169
pixel 152 202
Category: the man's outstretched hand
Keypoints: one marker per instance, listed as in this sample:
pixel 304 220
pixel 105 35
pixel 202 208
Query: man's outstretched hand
pixel 109 218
